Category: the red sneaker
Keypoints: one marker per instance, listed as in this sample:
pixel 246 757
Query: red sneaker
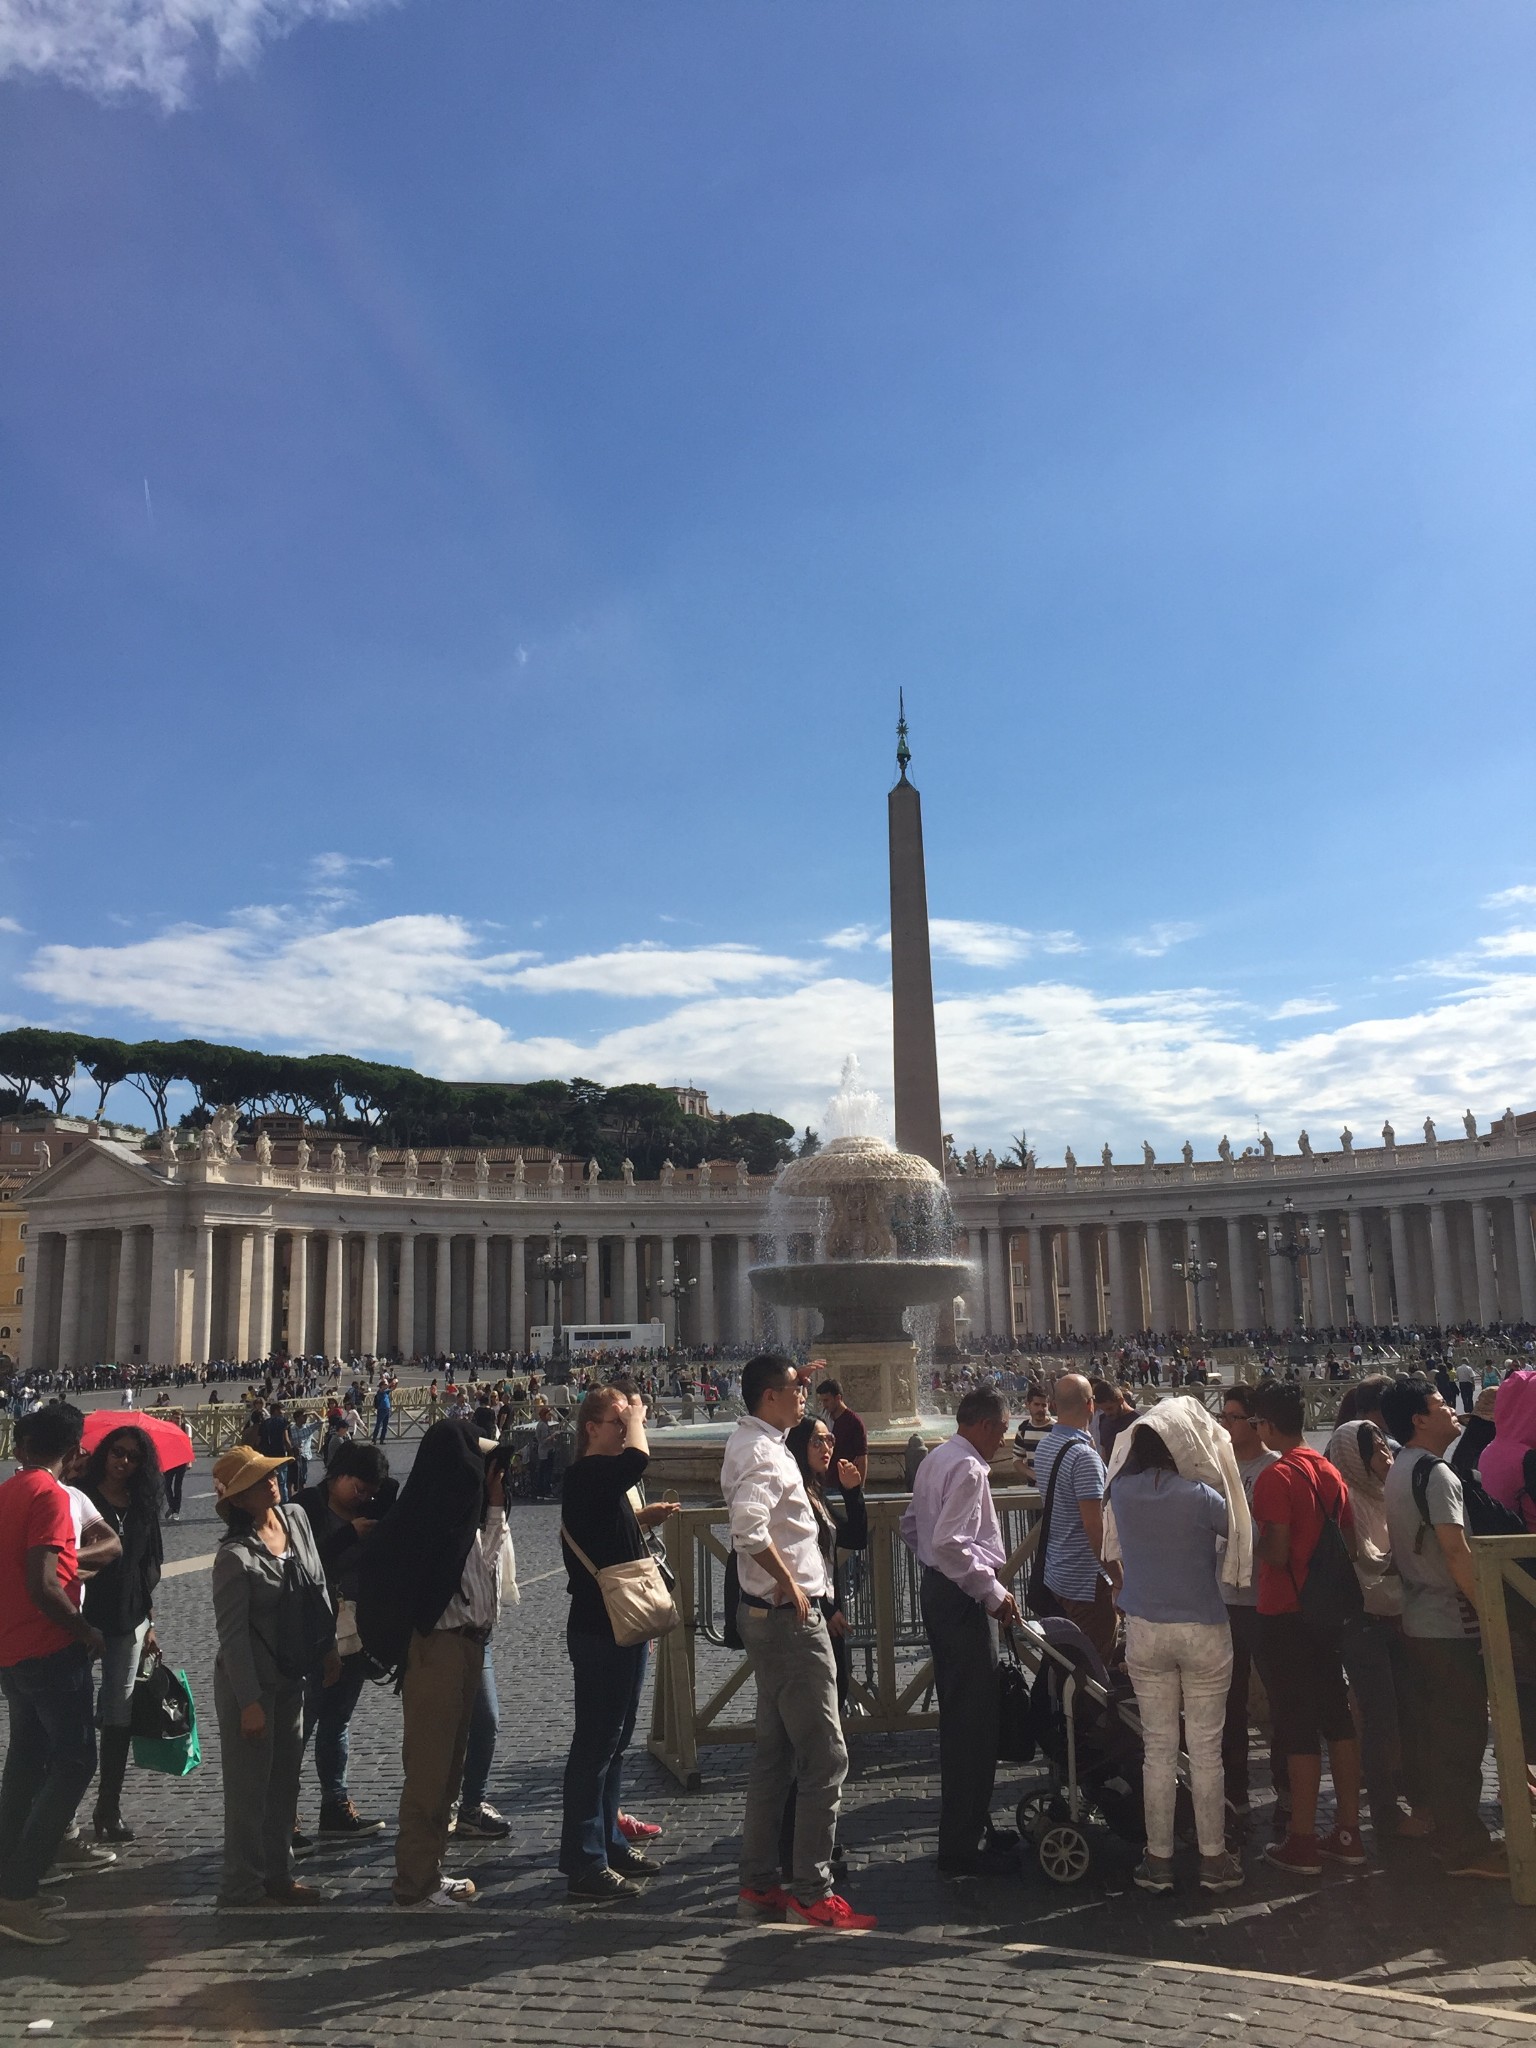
pixel 1298 1854
pixel 771 1904
pixel 637 1830
pixel 832 1914
pixel 1342 1846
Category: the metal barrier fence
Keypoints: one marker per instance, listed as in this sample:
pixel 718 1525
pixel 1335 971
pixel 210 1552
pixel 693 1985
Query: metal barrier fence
pixel 892 1686
pixel 1503 1585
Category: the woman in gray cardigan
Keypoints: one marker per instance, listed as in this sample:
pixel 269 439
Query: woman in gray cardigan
pixel 275 1624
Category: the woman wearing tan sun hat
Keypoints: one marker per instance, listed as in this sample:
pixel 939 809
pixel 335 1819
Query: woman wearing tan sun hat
pixel 275 1623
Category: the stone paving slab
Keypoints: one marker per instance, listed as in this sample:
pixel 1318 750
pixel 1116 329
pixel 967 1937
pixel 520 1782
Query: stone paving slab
pixel 1367 1957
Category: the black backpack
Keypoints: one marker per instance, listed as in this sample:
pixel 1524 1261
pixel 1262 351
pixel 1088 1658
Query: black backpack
pixel 1330 1594
pixel 1481 1513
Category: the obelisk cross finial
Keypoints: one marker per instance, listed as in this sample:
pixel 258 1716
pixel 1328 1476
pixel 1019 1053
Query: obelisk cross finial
pixel 903 751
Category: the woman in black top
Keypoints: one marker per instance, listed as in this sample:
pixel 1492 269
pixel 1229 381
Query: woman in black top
pixel 598 1514
pixel 122 1476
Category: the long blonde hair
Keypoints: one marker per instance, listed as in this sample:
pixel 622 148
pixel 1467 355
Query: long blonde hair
pixel 594 1406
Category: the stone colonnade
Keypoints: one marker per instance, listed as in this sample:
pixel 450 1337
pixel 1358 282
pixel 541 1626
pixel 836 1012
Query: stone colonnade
pixel 1410 1262
pixel 229 1290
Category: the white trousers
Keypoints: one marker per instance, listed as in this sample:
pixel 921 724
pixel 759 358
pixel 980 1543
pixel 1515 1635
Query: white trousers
pixel 1174 1663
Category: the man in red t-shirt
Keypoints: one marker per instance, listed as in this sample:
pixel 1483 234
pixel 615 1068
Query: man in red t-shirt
pixel 1302 1665
pixel 46 1647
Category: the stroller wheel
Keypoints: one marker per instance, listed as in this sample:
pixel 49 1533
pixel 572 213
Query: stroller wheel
pixel 1063 1853
pixel 1032 1814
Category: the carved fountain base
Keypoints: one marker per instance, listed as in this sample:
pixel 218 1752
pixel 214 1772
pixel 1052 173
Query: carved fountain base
pixel 879 1380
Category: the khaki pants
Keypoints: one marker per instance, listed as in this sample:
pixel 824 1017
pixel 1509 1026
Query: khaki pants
pixel 442 1676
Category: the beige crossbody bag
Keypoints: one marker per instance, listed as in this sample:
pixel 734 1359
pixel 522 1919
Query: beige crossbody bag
pixel 635 1595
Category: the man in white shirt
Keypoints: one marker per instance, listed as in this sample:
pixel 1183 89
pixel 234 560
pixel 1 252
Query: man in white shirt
pixel 785 1582
pixel 953 1528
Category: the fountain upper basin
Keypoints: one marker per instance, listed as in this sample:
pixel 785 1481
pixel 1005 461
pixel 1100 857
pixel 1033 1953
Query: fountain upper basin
pixel 861 1300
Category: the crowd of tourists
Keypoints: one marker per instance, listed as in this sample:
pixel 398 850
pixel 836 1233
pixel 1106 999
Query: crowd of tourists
pixel 1190 1551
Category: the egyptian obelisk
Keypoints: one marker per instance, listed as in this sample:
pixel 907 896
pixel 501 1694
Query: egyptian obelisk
pixel 918 1127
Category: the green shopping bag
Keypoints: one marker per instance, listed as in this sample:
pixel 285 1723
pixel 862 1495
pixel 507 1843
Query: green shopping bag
pixel 172 1755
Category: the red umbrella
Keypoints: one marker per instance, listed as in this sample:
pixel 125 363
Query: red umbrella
pixel 172 1445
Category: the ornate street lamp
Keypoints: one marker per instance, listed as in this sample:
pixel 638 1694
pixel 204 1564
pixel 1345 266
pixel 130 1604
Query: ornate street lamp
pixel 1196 1271
pixel 557 1265
pixel 677 1289
pixel 1293 1241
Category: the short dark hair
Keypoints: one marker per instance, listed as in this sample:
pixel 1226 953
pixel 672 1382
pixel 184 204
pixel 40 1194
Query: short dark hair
pixel 1363 1398
pixel 831 1387
pixel 1241 1395
pixel 1148 1452
pixel 981 1404
pixel 1402 1400
pixel 1280 1404
pixel 48 1433
pixel 356 1458
pixel 764 1374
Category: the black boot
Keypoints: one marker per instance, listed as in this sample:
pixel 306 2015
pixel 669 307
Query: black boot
pixel 107 1820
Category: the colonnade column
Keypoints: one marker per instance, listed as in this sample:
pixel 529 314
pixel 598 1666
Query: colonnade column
pixel 1241 1308
pixel 1035 1239
pixel 368 1308
pixel 1119 1319
pixel 708 1332
pixel 202 1296
pixel 165 1344
pixel 480 1294
pixel 594 1310
pixel 1482 1253
pixel 442 1298
pixel 1360 1268
pixel 742 1332
pixel 1402 1270
pixel 629 1297
pixel 263 1261
pixel 517 1293
pixel 1076 1283
pixel 335 1298
pixel 237 1296
pixel 1525 1258
pixel 1282 1289
pixel 405 1300
pixel 1447 1307
pixel 1157 1278
pixel 1317 1273
pixel 298 1293
pixel 668 1300
pixel 126 1306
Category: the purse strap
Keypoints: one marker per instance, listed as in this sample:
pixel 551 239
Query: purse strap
pixel 571 1544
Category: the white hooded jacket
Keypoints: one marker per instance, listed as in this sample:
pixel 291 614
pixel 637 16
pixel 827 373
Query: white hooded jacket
pixel 1201 1449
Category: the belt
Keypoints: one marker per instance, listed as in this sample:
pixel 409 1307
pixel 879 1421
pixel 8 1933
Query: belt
pixel 475 1635
pixel 751 1600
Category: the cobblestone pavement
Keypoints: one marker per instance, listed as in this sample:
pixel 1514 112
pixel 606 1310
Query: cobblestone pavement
pixel 1371 1958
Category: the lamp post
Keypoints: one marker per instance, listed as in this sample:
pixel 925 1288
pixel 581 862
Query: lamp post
pixel 677 1290
pixel 557 1265
pixel 1196 1271
pixel 1293 1241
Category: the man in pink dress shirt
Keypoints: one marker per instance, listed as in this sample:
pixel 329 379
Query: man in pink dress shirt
pixel 952 1526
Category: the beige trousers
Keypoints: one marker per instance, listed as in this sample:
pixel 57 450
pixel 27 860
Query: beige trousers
pixel 442 1676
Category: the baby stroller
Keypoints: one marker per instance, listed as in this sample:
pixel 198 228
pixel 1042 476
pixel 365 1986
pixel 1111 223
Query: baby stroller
pixel 1088 1744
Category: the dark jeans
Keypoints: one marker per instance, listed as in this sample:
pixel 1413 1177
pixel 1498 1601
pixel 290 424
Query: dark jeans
pixel 174 1481
pixel 484 1727
pixel 608 1678
pixel 328 1710
pixel 1448 1709
pixel 965 1676
pixel 1376 1665
pixel 48 1765
pixel 380 1425
pixel 1244 1624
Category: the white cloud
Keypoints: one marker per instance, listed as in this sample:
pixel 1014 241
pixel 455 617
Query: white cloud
pixel 1304 1006
pixel 854 937
pixel 9 924
pixel 113 47
pixel 769 1031
pixel 1518 945
pixel 978 945
pixel 1160 939
pixel 330 867
pixel 1511 899
pixel 653 970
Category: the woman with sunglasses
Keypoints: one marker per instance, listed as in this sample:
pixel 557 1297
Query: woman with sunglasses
pixel 1375 1653
pixel 122 1477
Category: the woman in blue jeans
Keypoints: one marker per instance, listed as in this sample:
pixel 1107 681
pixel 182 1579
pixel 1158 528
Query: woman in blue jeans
pixel 596 1512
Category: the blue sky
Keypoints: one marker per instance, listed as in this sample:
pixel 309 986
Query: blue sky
pixel 477 474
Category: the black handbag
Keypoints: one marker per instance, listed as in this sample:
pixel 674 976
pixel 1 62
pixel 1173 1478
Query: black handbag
pixel 161 1710
pixel 1015 1710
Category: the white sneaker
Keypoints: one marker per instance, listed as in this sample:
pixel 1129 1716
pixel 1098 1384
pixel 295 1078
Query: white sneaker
pixel 452 1891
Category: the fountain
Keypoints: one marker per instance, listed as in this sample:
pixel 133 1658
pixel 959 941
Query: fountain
pixel 882 1228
